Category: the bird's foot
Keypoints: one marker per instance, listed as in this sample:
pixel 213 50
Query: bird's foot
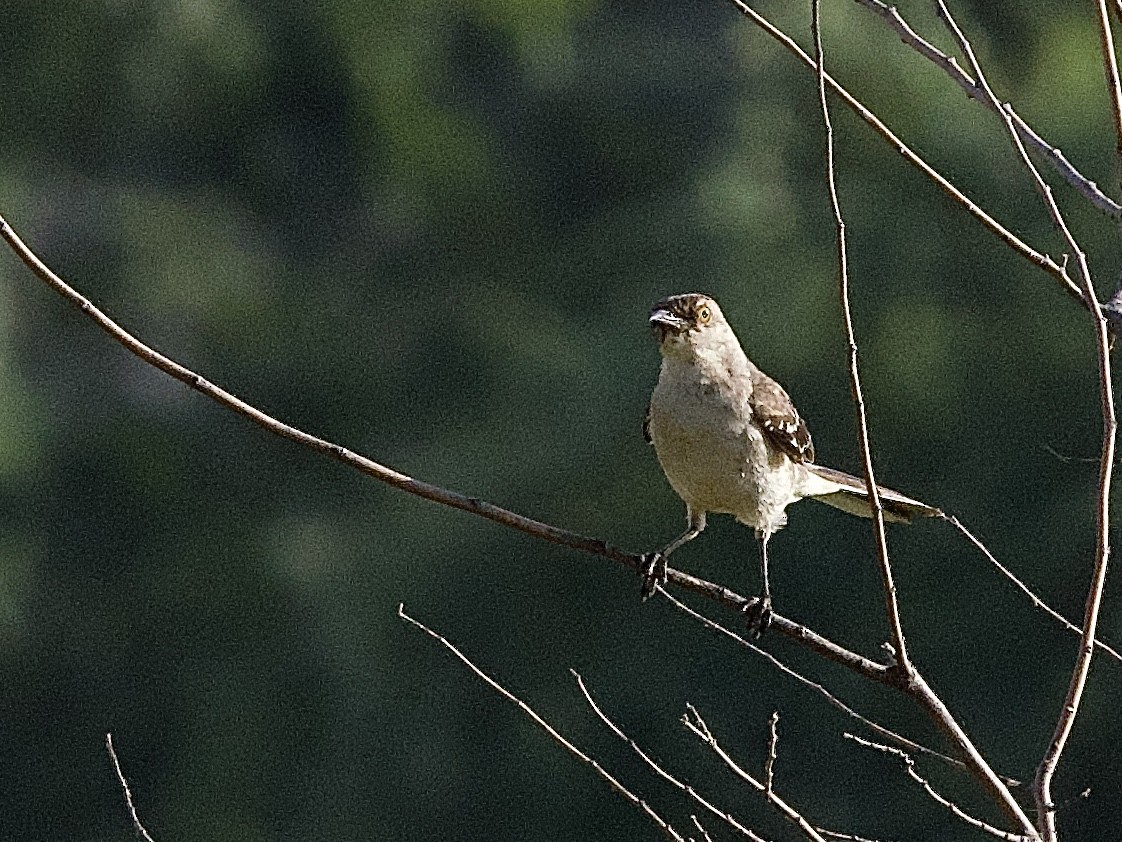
pixel 653 573
pixel 758 613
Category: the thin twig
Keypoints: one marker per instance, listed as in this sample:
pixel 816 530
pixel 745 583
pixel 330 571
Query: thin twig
pixel 704 833
pixel 137 826
pixel 1042 261
pixel 882 677
pixel 847 837
pixel 1089 189
pixel 688 790
pixel 1037 602
pixel 696 725
pixel 891 604
pixel 1110 65
pixel 772 754
pixel 909 767
pixel 615 784
pixel 1046 816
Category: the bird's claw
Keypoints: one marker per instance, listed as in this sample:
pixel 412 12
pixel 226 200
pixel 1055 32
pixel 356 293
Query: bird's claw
pixel 758 613
pixel 653 573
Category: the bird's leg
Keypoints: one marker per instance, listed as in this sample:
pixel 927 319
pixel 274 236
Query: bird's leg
pixel 654 564
pixel 759 611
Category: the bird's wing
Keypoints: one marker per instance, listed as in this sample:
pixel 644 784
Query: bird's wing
pixel 647 427
pixel 779 420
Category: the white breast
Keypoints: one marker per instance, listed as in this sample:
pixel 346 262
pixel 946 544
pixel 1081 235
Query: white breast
pixel 714 457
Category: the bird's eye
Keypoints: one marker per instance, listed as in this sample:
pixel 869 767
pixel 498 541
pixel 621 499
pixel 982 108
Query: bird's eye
pixel 704 315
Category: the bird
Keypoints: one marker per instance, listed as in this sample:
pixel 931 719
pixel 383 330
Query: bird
pixel 730 441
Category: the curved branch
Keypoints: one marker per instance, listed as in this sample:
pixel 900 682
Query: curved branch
pixel 445 497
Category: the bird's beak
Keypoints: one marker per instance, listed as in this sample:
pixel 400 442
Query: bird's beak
pixel 663 322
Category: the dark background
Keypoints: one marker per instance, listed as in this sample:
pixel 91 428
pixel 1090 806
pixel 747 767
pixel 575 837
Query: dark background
pixel 431 232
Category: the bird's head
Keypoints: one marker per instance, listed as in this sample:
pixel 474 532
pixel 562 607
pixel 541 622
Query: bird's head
pixel 682 323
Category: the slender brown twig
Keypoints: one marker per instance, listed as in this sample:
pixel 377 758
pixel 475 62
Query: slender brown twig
pixel 1037 602
pixel 1046 816
pixel 613 782
pixel 1110 65
pixel 847 837
pixel 704 833
pixel 688 790
pixel 137 826
pixel 891 604
pixel 910 768
pixel 772 754
pixel 1089 189
pixel 1043 261
pixel 883 676
pixel 696 725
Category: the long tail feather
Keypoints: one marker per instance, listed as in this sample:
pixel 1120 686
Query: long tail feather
pixel 848 493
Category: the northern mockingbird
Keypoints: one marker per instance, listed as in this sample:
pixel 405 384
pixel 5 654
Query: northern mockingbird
pixel 730 441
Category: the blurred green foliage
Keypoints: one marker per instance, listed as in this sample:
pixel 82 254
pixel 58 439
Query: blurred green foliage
pixel 431 233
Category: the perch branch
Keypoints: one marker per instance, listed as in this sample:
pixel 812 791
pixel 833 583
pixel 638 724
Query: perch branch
pixel 504 517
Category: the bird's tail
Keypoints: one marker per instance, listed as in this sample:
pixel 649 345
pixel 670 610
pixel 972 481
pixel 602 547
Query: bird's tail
pixel 848 493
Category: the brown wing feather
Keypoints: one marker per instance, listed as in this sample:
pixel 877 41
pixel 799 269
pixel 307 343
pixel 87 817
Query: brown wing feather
pixel 779 420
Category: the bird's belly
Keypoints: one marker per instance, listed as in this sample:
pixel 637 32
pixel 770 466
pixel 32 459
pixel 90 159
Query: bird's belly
pixel 722 470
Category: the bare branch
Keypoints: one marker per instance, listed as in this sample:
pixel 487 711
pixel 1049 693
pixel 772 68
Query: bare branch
pixel 693 721
pixel 428 491
pixel 892 606
pixel 549 729
pixel 1037 602
pixel 704 833
pixel 772 754
pixel 137 826
pixel 1089 189
pixel 1110 65
pixel 658 770
pixel 1042 261
pixel 909 767
pixel 1049 763
pixel 846 837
